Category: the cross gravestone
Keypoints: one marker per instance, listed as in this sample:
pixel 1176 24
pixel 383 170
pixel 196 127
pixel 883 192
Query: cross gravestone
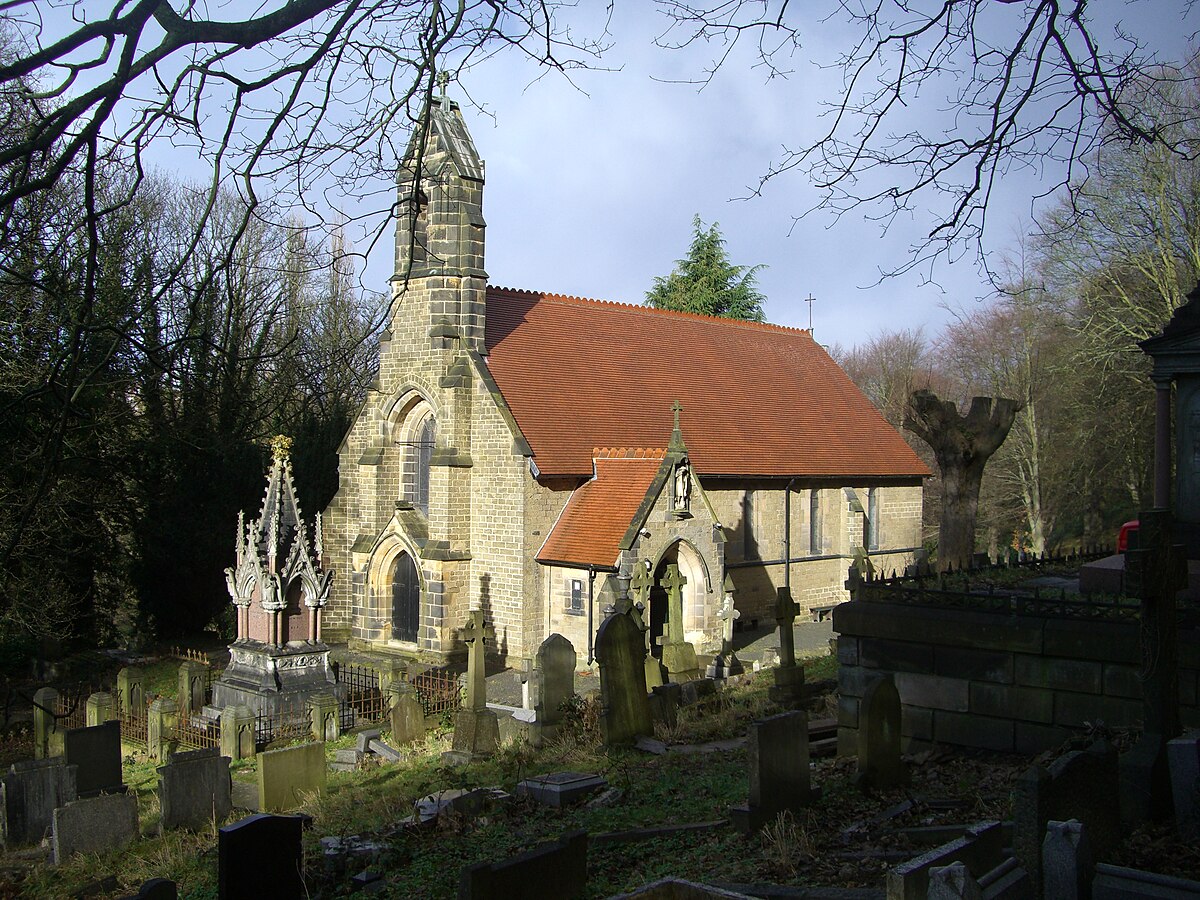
pixel 640 583
pixel 777 752
pixel 194 790
pixel 261 856
pixel 788 690
pixel 476 728
pixel 96 750
pixel 555 676
pixel 1155 572
pixel 726 663
pixel 624 708
pixel 29 794
pixel 879 764
pixel 94 825
pixel 678 656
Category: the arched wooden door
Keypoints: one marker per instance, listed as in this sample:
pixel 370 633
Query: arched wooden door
pixel 406 599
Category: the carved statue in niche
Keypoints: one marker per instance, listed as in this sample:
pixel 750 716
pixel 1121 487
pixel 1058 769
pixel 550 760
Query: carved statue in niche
pixel 682 494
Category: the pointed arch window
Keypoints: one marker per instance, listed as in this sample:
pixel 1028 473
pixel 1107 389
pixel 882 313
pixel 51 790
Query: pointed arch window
pixel 417 447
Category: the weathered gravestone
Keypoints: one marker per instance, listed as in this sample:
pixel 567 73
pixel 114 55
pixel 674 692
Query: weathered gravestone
pixel 553 871
pixel 555 676
pixel 47 737
pixel 879 764
pixel 640 583
pixel 777 751
pixel 1183 754
pixel 476 728
pixel 194 790
pixel 95 825
pixel 1067 864
pixel 406 713
pixel 29 794
pixel 1079 785
pixel 261 856
pixel 726 663
pixel 788 690
pixel 560 788
pixel 96 750
pixel 953 882
pixel 285 776
pixel 678 656
pixel 621 654
pixel 981 849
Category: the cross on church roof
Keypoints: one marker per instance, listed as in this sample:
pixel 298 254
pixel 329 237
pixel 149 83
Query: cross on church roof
pixel 677 408
pixel 443 79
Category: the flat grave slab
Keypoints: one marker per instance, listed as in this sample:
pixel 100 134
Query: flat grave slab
pixel 561 788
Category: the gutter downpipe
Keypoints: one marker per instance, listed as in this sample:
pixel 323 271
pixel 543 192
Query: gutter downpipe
pixel 591 608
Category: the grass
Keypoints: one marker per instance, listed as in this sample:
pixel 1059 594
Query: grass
pixel 654 790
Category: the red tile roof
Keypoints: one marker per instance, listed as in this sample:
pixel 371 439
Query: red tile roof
pixel 757 399
pixel 600 511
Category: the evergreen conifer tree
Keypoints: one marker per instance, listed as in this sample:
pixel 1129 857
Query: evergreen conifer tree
pixel 706 282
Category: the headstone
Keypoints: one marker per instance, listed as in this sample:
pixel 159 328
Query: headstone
pixel 953 882
pixel 362 740
pixel 879 764
pixel 156 889
pixel 237 732
pixel 1079 785
pixel 665 700
pixel 406 714
pixel 160 728
pixel 95 825
pixel 620 653
pixel 100 708
pixel 29 794
pixel 97 752
pixel 193 683
pixel 46 737
pixel 1067 865
pixel 788 690
pixel 554 871
pixel 476 728
pixel 261 856
pixel 777 753
pixel 726 663
pixel 286 776
pixel 1155 572
pixel 555 676
pixel 640 583
pixel 324 717
pixel 194 790
pixel 561 788
pixel 1183 755
pixel 678 656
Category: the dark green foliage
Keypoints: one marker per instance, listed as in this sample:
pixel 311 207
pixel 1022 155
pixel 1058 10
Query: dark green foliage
pixel 707 283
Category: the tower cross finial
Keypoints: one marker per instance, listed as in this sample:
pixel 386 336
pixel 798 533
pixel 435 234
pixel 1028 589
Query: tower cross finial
pixel 443 79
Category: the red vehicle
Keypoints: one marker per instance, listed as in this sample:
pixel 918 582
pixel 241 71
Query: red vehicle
pixel 1123 535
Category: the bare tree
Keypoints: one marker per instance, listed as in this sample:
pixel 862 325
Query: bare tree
pixel 942 99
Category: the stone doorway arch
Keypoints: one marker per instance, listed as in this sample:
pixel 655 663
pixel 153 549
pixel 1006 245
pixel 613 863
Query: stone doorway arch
pixel 691 566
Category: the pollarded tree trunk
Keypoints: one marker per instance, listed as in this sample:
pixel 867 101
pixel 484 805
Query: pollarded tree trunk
pixel 962 446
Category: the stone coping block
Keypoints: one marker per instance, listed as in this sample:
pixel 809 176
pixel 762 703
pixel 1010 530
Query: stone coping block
pixel 561 788
pixel 94 825
pixel 1120 883
pixel 285 776
pixel 979 850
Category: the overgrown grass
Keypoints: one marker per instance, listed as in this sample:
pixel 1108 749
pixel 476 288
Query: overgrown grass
pixel 674 788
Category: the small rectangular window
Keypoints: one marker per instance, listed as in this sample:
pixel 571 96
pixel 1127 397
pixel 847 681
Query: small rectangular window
pixel 575 601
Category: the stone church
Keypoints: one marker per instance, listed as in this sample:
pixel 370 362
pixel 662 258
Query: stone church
pixel 521 451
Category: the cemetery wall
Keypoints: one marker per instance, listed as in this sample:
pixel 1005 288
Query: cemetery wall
pixel 994 680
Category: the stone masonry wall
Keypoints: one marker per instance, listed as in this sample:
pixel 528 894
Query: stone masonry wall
pixel 817 580
pixel 996 681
